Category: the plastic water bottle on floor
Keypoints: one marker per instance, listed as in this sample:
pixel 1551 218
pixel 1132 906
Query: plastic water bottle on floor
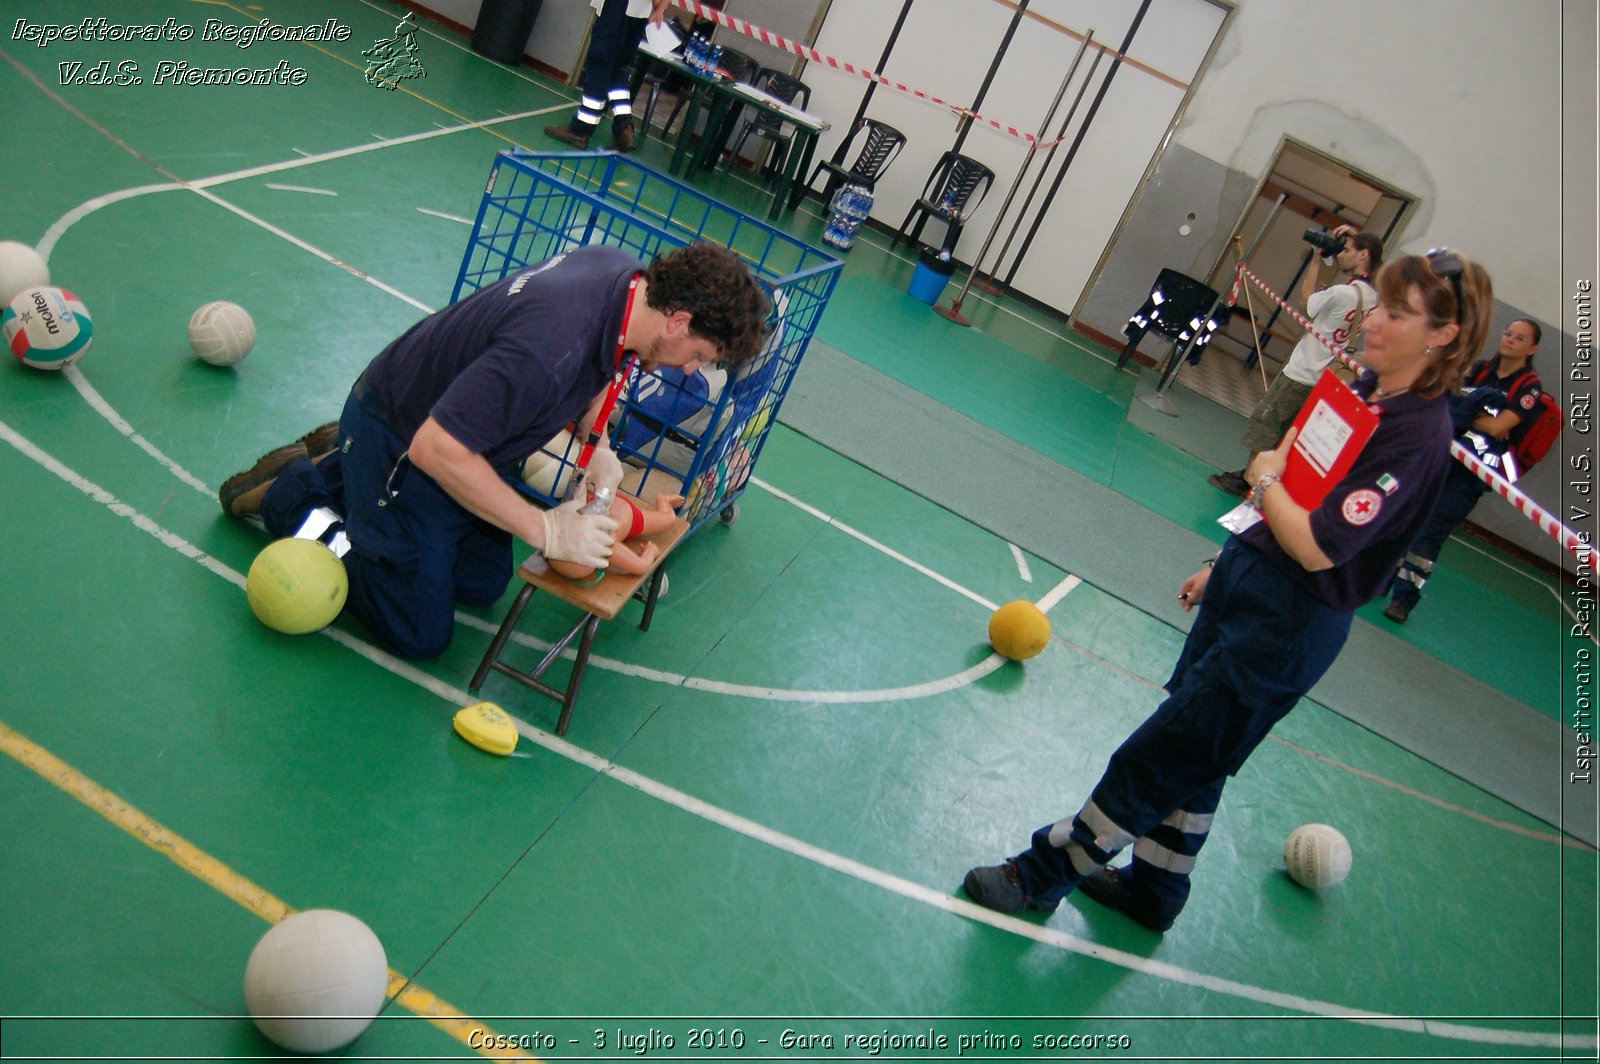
pixel 851 205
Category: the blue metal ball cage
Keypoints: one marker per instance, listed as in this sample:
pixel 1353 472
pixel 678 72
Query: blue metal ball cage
pixel 541 204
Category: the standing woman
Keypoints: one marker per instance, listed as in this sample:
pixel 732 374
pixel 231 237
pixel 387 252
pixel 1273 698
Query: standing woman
pixel 1275 609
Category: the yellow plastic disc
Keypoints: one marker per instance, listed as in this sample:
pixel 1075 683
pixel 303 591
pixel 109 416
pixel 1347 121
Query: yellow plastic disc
pixel 487 727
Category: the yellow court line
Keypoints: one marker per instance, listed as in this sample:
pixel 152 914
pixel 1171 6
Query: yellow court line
pixel 226 881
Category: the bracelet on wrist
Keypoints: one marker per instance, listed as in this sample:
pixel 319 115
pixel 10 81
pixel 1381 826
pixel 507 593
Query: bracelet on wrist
pixel 1259 492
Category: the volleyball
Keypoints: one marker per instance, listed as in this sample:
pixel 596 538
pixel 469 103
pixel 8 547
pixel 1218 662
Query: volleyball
pixel 315 981
pixel 46 327
pixel 1317 856
pixel 1019 630
pixel 296 586
pixel 221 333
pixel 20 267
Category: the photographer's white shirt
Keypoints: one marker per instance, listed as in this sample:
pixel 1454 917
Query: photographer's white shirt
pixel 1334 312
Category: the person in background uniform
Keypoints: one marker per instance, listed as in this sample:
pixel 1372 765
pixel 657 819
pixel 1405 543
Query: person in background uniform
pixel 411 483
pixel 1275 609
pixel 618 29
pixel 1335 312
pixel 1499 405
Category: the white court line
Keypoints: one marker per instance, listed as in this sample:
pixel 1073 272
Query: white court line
pixel 1468 541
pixel 301 188
pixel 1022 563
pixel 446 217
pixel 913 891
pixel 98 403
pixel 876 545
pixel 53 234
pixel 87 208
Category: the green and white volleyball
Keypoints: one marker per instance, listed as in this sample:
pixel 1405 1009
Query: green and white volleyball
pixel 47 327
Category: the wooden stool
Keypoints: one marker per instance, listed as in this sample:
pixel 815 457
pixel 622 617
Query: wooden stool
pixel 599 602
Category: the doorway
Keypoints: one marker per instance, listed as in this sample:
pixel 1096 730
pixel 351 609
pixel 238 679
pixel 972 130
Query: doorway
pixel 1303 189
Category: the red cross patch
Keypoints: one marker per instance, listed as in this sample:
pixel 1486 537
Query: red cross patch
pixel 1362 506
pixel 1528 401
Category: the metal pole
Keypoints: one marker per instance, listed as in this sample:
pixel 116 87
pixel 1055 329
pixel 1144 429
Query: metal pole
pixel 990 286
pixel 953 312
pixel 1158 399
pixel 866 97
pixel 964 126
pixel 1077 142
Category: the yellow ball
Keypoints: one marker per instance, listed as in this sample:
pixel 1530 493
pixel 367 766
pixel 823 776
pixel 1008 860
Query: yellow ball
pixel 296 586
pixel 1019 630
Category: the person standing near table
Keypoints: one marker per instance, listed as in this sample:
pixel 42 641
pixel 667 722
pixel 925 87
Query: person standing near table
pixel 618 29
pixel 1275 609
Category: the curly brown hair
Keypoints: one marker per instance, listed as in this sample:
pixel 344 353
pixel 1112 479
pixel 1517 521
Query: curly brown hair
pixel 726 304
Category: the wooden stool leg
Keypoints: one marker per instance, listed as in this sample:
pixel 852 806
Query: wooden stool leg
pixel 500 637
pixel 571 697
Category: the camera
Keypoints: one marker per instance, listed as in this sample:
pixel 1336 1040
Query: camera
pixel 1324 241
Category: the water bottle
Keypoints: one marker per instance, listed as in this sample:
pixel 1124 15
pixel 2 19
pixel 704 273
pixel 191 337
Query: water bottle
pixel 694 52
pixel 601 503
pixel 715 61
pixel 949 204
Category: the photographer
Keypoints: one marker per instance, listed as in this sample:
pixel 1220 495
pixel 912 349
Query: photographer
pixel 1336 312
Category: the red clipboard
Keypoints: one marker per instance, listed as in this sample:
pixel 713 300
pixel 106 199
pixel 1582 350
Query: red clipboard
pixel 1334 425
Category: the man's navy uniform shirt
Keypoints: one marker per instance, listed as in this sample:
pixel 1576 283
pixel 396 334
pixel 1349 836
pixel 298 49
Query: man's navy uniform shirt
pixel 513 364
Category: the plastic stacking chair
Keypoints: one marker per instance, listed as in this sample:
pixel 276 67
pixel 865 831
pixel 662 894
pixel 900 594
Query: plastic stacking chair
pixel 739 66
pixel 769 127
pixel 954 189
pixel 881 144
pixel 653 78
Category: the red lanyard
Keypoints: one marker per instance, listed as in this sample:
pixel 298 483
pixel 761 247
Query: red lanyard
pixel 619 378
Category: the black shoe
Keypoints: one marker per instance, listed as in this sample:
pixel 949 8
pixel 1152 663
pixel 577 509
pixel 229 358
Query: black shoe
pixel 999 887
pixel 1397 611
pixel 567 136
pixel 324 439
pixel 625 140
pixel 1109 886
pixel 1233 483
pixel 241 494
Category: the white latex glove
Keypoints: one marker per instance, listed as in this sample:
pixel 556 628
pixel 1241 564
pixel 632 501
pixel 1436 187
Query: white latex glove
pixel 583 539
pixel 605 469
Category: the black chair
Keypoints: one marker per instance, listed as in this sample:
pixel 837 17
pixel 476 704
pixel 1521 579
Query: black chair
pixel 656 77
pixel 878 149
pixel 768 126
pixel 956 186
pixel 1174 309
pixel 739 66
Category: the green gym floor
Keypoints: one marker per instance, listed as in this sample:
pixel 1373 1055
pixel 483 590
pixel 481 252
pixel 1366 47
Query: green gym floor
pixel 761 815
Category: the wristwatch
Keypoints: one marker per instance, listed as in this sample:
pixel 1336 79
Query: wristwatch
pixel 1259 492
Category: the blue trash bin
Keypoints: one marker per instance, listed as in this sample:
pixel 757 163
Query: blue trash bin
pixel 933 273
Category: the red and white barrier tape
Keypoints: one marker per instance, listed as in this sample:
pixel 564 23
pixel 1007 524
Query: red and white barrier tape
pixel 1542 518
pixel 805 51
pixel 1338 352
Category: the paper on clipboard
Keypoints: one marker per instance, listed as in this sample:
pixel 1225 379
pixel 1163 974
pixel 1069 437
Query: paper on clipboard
pixel 1323 437
pixel 660 40
pixel 1334 425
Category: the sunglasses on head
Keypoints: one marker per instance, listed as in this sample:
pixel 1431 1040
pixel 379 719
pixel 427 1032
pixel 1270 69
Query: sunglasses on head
pixel 1446 265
